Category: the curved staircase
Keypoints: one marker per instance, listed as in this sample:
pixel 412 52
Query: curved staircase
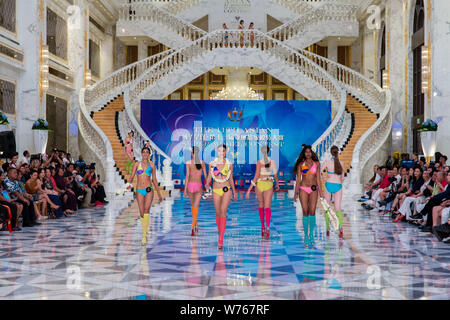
pixel 364 118
pixel 107 120
pixel 366 137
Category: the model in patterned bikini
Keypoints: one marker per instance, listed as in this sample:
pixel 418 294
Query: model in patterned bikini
pixel 194 170
pixel 333 186
pixel 221 171
pixel 146 184
pixel 265 174
pixel 308 187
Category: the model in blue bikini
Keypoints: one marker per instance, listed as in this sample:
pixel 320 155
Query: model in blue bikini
pixel 146 183
pixel 333 186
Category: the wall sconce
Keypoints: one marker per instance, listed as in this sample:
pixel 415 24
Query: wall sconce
pixel 44 68
pixel 385 77
pixel 425 69
pixel 88 77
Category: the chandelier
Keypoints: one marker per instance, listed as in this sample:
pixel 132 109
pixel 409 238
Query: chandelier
pixel 236 93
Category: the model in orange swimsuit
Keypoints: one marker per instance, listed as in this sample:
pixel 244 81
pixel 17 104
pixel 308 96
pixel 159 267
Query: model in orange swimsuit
pixel 308 187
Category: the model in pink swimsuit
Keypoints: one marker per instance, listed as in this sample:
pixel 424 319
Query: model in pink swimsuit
pixel 308 187
pixel 193 190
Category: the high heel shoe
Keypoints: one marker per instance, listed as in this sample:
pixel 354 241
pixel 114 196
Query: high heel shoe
pixel 192 232
pixel 263 232
pixel 399 218
pixel 267 236
pixel 341 234
pixel 328 233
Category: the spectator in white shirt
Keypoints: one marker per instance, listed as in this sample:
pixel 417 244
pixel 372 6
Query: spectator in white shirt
pixel 26 157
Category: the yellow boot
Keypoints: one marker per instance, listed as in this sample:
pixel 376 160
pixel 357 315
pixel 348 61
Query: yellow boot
pixel 144 223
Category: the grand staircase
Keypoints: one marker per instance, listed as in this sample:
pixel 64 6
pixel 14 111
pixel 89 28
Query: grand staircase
pixel 106 119
pixel 362 120
pixel 351 92
pixel 314 22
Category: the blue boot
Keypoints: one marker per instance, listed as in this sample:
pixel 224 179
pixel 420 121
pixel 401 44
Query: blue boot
pixel 305 230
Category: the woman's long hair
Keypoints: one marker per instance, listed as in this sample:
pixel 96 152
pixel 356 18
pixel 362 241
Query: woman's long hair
pixel 337 164
pixel 195 151
pixel 265 151
pixel 302 157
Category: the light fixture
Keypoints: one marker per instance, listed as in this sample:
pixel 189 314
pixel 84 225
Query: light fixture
pixel 425 69
pixel 235 93
pixel 44 68
pixel 385 77
pixel 88 77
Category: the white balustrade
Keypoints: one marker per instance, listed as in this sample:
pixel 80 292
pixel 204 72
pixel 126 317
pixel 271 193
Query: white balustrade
pixel 256 40
pixel 139 12
pixel 326 12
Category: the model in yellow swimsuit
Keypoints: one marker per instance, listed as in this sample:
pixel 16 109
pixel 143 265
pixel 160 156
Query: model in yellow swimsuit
pixel 223 182
pixel 266 173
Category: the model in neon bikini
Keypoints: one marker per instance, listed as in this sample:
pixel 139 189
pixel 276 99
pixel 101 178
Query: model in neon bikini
pixel 265 174
pixel 308 187
pixel 146 184
pixel 194 170
pixel 129 150
pixel 333 186
pixel 221 171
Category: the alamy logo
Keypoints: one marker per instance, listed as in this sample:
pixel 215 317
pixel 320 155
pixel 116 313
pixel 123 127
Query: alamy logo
pixel 374 19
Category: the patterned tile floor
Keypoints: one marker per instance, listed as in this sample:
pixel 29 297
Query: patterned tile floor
pixel 97 255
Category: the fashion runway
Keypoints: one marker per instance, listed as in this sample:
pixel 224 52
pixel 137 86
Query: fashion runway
pixel 98 255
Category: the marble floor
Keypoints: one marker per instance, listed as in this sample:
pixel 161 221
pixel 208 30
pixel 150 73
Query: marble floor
pixel 97 255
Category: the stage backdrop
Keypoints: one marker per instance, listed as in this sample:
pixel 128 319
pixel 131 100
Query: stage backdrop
pixel 175 125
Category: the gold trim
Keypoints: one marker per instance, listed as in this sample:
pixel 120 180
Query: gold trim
pixel 15 49
pixel 405 120
pixel 4 78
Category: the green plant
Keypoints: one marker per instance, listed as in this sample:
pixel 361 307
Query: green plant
pixel 40 124
pixel 3 119
pixel 428 125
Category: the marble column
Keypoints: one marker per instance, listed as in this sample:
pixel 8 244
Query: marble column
pixel 439 109
pixel 333 53
pixel 29 105
pixel 332 49
pixel 397 53
pixel 78 48
pixel 142 49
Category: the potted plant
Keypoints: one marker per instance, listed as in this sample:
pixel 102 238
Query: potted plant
pixel 40 135
pixel 3 119
pixel 428 138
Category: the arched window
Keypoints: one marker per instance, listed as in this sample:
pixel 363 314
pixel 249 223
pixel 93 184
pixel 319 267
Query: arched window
pixel 418 41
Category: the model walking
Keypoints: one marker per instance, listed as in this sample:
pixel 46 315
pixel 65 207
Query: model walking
pixel 333 186
pixel 146 183
pixel 194 170
pixel 308 187
pixel 129 150
pixel 265 174
pixel 221 171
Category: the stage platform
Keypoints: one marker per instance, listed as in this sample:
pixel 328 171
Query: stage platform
pixel 97 255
